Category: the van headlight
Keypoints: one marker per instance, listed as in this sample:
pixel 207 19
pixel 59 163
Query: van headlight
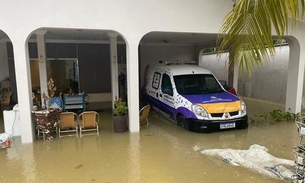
pixel 199 111
pixel 243 108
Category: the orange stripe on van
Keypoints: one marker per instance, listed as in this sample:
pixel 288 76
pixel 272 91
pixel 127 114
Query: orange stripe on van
pixel 221 107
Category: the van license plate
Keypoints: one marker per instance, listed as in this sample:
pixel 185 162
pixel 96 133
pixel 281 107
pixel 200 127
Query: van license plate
pixel 226 125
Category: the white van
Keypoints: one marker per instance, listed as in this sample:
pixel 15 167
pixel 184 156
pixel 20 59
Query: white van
pixel 192 97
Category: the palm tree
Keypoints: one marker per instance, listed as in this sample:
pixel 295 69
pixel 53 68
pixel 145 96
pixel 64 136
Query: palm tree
pixel 247 30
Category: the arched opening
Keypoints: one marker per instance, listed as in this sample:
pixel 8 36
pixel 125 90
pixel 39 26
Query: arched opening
pixel 168 47
pixel 8 89
pixel 79 59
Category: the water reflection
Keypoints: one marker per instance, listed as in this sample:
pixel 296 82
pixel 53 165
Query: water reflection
pixel 28 164
pixel 134 165
pixel 18 163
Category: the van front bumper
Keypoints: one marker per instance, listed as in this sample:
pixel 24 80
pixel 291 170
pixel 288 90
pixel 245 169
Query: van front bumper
pixel 214 125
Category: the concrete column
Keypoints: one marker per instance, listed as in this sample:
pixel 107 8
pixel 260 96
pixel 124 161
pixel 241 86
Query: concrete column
pixel 114 67
pixel 42 61
pixel 133 85
pixel 4 69
pixel 24 85
pixel 295 74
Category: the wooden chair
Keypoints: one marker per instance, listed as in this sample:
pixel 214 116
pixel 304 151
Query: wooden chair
pixel 144 112
pixel 68 123
pixel 88 121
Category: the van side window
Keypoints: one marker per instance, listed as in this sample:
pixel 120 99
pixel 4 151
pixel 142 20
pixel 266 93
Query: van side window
pixel 156 80
pixel 166 86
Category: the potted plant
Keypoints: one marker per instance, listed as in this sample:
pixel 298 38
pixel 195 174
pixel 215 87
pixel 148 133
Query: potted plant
pixel 120 108
pixel 120 112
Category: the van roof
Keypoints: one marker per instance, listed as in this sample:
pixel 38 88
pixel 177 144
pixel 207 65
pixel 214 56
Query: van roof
pixel 185 69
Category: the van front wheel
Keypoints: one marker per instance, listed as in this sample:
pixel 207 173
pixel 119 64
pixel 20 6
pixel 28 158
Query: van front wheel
pixel 182 122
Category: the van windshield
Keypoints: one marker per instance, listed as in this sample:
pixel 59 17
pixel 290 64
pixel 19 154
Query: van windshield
pixel 197 84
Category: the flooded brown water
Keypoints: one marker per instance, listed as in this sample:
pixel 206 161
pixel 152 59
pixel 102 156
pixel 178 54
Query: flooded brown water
pixel 160 153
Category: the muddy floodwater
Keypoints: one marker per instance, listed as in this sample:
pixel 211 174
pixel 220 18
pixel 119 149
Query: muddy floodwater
pixel 160 153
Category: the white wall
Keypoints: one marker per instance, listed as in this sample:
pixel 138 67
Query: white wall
pixel 150 55
pixel 218 65
pixel 267 82
pixel 132 19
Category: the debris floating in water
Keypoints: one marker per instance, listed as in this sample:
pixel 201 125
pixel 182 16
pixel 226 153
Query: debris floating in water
pixel 256 158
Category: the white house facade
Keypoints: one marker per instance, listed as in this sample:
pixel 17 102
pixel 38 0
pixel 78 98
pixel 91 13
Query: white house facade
pixel 24 22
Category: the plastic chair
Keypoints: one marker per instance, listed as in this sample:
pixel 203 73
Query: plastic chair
pixel 144 112
pixel 88 121
pixel 68 123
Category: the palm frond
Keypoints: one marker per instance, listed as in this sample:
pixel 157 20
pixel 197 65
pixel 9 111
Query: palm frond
pixel 247 30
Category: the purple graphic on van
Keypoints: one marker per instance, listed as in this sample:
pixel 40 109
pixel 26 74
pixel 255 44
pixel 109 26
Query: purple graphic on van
pixel 211 98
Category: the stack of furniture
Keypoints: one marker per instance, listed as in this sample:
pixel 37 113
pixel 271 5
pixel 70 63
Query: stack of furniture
pixel 5 85
pixel 5 93
pixel 74 103
pixel 299 152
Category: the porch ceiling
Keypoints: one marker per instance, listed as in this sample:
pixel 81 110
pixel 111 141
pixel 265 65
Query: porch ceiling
pixel 156 38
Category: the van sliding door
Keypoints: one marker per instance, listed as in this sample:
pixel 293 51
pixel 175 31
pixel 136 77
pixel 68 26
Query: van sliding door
pixel 166 96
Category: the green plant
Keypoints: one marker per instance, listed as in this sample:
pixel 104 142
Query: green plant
pixel 248 27
pixel 120 108
pixel 276 115
pixel 279 115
